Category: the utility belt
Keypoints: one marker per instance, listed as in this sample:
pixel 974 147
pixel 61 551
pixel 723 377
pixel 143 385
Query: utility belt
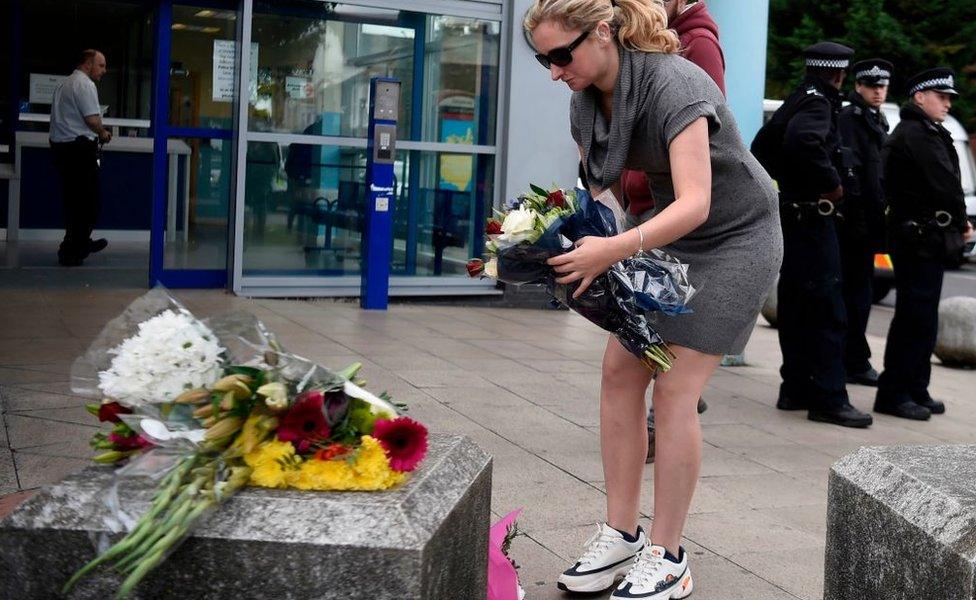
pixel 822 208
pixel 931 237
pixel 939 220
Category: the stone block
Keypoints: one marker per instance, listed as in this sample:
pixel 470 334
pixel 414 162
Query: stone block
pixel 901 524
pixel 956 342
pixel 425 540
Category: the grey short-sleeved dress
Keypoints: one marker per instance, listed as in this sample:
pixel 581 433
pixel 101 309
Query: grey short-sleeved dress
pixel 735 255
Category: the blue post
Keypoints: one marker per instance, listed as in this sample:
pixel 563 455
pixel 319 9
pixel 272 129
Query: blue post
pixel 160 134
pixel 384 100
pixel 743 31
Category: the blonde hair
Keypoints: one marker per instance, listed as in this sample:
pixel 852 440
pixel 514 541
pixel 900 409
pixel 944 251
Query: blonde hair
pixel 639 24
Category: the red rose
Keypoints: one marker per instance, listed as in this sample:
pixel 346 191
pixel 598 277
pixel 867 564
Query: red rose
pixel 494 227
pixel 476 267
pixel 556 198
pixel 128 442
pixel 110 411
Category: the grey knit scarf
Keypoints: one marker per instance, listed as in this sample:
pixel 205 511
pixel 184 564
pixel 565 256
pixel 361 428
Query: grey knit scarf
pixel 605 145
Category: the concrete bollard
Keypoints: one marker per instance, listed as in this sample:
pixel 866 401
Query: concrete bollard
pixel 956 342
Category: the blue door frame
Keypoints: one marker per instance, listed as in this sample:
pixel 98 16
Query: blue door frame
pixel 162 131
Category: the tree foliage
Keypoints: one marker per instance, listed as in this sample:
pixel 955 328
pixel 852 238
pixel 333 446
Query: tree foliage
pixel 911 34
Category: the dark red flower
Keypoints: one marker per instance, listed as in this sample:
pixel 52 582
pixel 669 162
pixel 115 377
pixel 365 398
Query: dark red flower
pixel 476 267
pixel 556 198
pixel 332 451
pixel 304 424
pixel 128 442
pixel 494 227
pixel 110 411
pixel 404 440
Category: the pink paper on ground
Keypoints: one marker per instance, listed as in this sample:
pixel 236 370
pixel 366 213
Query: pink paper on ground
pixel 502 579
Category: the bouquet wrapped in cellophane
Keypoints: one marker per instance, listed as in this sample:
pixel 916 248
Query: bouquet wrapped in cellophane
pixel 209 406
pixel 541 224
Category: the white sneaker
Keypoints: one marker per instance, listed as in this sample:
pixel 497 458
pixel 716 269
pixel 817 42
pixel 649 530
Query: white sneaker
pixel 606 558
pixel 653 577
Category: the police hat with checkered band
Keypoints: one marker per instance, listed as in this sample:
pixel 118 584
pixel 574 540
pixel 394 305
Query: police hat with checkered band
pixel 874 71
pixel 940 79
pixel 828 55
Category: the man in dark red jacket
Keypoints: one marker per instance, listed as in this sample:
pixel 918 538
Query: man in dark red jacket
pixel 699 44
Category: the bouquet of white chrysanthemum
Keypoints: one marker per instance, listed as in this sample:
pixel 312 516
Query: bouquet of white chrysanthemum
pixel 171 353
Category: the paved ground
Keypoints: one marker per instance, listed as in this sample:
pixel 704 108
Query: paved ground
pixel 524 385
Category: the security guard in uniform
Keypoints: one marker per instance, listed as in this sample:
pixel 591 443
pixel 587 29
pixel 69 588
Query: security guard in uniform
pixel 927 224
pixel 861 229
pixel 801 148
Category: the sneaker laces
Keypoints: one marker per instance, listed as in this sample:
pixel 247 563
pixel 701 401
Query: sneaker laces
pixel 645 569
pixel 598 543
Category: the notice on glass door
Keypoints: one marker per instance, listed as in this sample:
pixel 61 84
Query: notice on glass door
pixel 224 62
pixel 42 87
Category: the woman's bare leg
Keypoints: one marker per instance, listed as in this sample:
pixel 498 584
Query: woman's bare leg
pixel 623 433
pixel 678 444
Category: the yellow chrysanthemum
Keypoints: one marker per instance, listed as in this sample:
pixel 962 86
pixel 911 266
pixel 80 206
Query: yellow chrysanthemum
pixel 369 471
pixel 274 465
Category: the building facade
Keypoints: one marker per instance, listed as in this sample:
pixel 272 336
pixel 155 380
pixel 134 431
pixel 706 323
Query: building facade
pixel 240 148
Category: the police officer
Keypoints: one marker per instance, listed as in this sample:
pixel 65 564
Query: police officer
pixel 76 131
pixel 863 129
pixel 927 224
pixel 801 148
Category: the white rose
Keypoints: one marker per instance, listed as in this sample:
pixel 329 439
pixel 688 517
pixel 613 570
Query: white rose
pixel 491 268
pixel 519 225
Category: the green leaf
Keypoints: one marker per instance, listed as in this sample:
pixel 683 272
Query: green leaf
pixel 539 190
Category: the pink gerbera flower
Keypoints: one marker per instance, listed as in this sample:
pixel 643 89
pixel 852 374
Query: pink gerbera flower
pixel 404 440
pixel 305 424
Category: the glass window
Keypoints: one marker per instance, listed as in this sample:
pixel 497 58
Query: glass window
pixel 53 34
pixel 202 62
pixel 198 185
pixel 461 80
pixel 441 223
pixel 304 210
pixel 314 63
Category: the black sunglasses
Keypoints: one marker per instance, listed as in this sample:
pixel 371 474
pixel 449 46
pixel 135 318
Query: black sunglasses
pixel 561 56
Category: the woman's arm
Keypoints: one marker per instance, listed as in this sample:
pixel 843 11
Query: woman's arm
pixel 691 173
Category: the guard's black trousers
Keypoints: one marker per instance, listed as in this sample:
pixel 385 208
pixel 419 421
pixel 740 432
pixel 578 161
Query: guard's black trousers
pixel 77 165
pixel 911 338
pixel 857 262
pixel 810 313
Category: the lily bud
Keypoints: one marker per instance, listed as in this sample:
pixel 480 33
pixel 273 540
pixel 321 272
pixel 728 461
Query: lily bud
pixel 223 428
pixel 192 396
pixel 204 411
pixel 112 456
pixel 236 383
pixel 228 402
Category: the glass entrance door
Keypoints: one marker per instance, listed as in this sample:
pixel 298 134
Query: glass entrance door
pixel 193 134
pixel 302 191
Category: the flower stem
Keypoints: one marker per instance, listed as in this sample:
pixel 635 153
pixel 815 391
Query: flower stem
pixel 143 527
